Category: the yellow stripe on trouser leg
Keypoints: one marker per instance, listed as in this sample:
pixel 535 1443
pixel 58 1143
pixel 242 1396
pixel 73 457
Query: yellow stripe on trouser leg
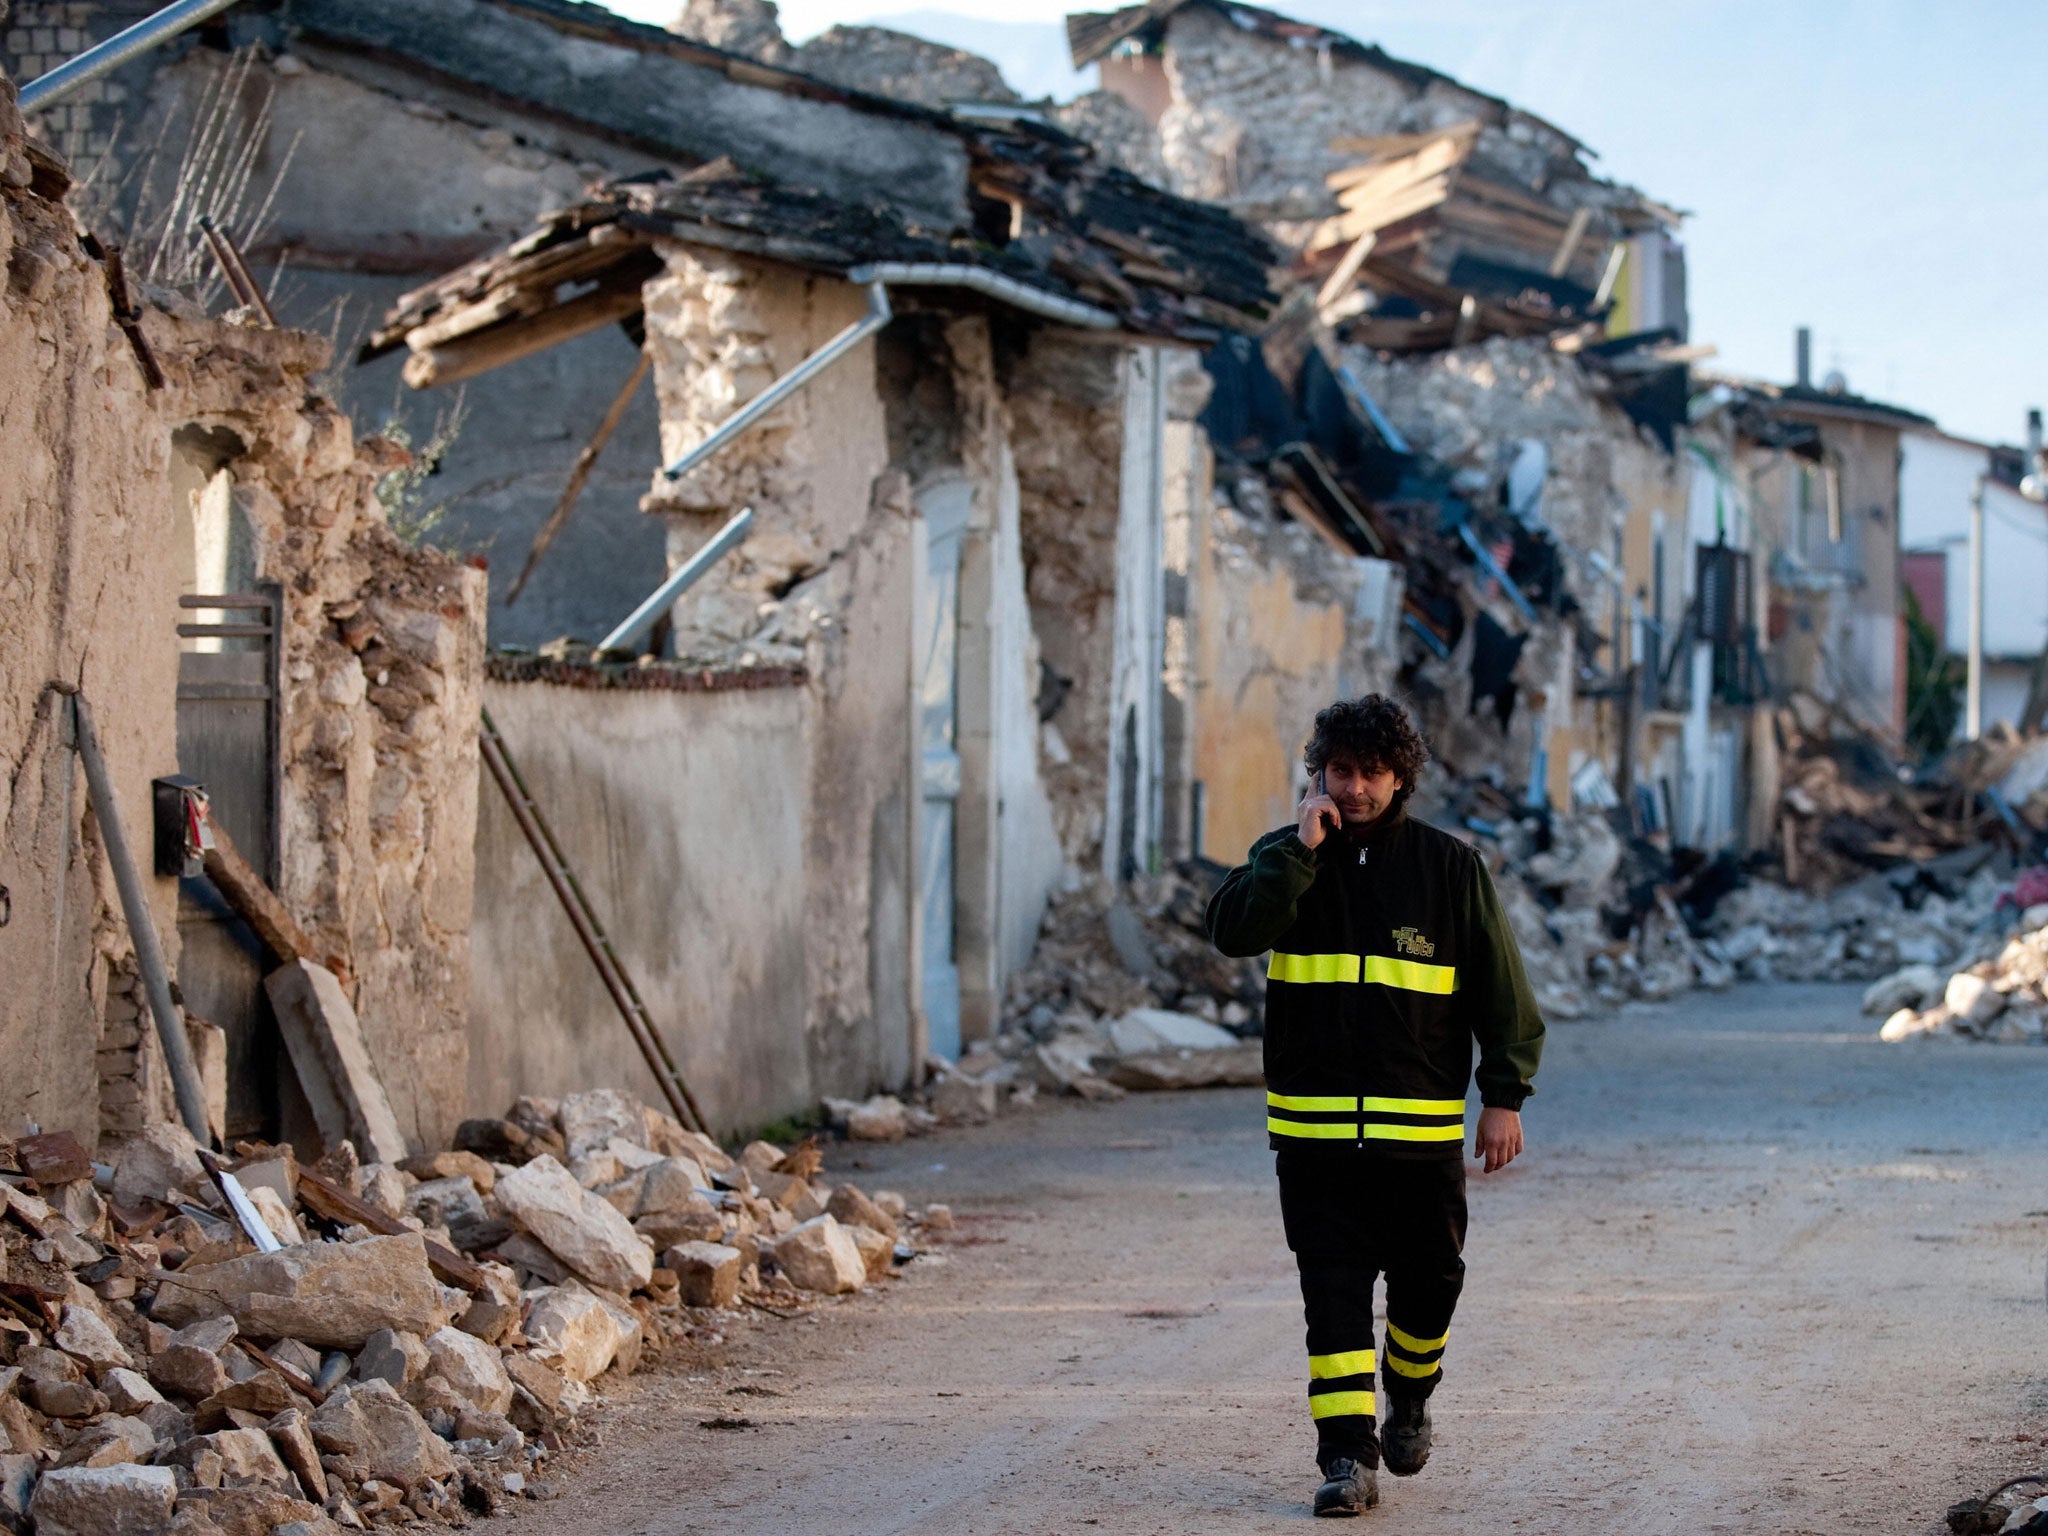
pixel 1350 1362
pixel 1400 1343
pixel 1301 968
pixel 1330 1405
pixel 1412 1344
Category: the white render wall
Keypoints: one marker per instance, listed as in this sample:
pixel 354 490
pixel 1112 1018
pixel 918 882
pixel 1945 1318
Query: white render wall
pixel 1936 477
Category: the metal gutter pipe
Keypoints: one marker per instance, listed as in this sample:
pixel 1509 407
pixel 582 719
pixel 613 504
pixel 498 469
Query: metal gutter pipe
pixel 878 277
pixel 1006 290
pixel 117 50
pixel 879 314
pixel 684 578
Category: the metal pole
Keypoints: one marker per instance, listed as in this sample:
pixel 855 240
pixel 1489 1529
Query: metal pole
pixel 1973 691
pixel 595 943
pixel 117 50
pixel 684 578
pixel 878 315
pixel 149 955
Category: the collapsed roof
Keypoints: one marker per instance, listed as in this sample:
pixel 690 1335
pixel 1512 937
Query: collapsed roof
pixel 1464 252
pixel 1066 236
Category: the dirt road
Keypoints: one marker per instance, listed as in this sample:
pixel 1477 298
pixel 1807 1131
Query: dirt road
pixel 1756 1273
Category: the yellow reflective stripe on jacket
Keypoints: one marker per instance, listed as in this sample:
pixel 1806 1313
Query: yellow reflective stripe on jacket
pixel 1374 1130
pixel 1312 1102
pixel 1312 967
pixel 1412 1344
pixel 1411 975
pixel 1410 1106
pixel 1328 1405
pixel 1350 1362
pixel 1343 1130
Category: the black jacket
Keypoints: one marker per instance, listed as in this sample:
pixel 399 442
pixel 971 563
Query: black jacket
pixel 1391 957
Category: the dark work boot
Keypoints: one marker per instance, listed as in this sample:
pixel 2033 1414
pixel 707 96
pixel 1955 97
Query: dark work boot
pixel 1405 1436
pixel 1349 1488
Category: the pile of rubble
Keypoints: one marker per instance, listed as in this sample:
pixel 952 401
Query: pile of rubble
pixel 2016 1507
pixel 248 1346
pixel 1998 993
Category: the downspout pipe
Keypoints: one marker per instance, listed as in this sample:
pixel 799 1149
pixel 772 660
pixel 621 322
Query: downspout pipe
pixel 103 58
pixel 878 277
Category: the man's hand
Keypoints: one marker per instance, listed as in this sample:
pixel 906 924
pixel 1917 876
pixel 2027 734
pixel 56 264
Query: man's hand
pixel 1499 1140
pixel 1317 818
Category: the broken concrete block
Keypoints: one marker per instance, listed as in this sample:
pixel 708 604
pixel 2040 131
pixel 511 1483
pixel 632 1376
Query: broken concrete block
pixel 1906 1023
pixel 493 1311
pixel 961 1100
pixel 590 1120
pixel 526 1253
pixel 17 1486
pixel 291 1433
pixel 472 1368
pixel 877 1250
pixel 394 1356
pixel 370 1424
pixel 1973 1000
pixel 855 1209
pixel 762 1156
pixel 632 1333
pixel 245 1403
pixel 325 1042
pixel 451 1165
pixel 252 1511
pixel 382 1185
pixel 85 1334
pixel 695 1220
pixel 780 1189
pixel 585 1232
pixel 109 1443
pixel 594 1170
pixel 452 1203
pixel 128 1391
pixel 707 1274
pixel 938 1217
pixel 161 1163
pixel 60 1399
pixel 575 1329
pixel 1910 986
pixel 1160 1029
pixel 247 1458
pixel 541 1381
pixel 333 1295
pixel 104 1501
pixel 817 1255
pixel 881 1118
pixel 669 1185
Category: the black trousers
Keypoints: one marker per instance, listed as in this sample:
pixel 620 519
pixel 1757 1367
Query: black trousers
pixel 1352 1215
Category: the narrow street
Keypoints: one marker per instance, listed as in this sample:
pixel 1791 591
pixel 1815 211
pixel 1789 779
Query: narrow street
pixel 1756 1273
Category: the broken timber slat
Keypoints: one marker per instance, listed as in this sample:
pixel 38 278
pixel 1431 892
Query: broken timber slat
pixel 331 1202
pixel 258 905
pixel 482 351
pixel 325 1041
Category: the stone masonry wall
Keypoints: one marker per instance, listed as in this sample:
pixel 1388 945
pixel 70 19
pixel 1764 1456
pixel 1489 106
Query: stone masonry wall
pixel 381 660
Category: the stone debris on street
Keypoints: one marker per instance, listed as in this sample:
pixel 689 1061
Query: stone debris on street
pixel 426 1339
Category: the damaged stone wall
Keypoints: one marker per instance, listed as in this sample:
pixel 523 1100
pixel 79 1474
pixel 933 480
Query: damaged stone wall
pixel 379 763
pixel 1607 483
pixel 824 581
pixel 1252 118
pixel 1066 408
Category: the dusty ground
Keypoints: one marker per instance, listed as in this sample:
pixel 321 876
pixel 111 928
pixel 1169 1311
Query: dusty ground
pixel 1756 1273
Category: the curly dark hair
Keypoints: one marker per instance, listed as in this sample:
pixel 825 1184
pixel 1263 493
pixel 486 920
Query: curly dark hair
pixel 1374 732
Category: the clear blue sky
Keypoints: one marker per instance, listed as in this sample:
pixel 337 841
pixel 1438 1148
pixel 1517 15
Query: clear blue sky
pixel 1876 169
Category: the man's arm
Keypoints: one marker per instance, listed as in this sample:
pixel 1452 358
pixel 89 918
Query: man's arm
pixel 1255 903
pixel 1505 1021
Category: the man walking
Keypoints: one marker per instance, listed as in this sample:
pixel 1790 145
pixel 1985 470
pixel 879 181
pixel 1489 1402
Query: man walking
pixel 1391 957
